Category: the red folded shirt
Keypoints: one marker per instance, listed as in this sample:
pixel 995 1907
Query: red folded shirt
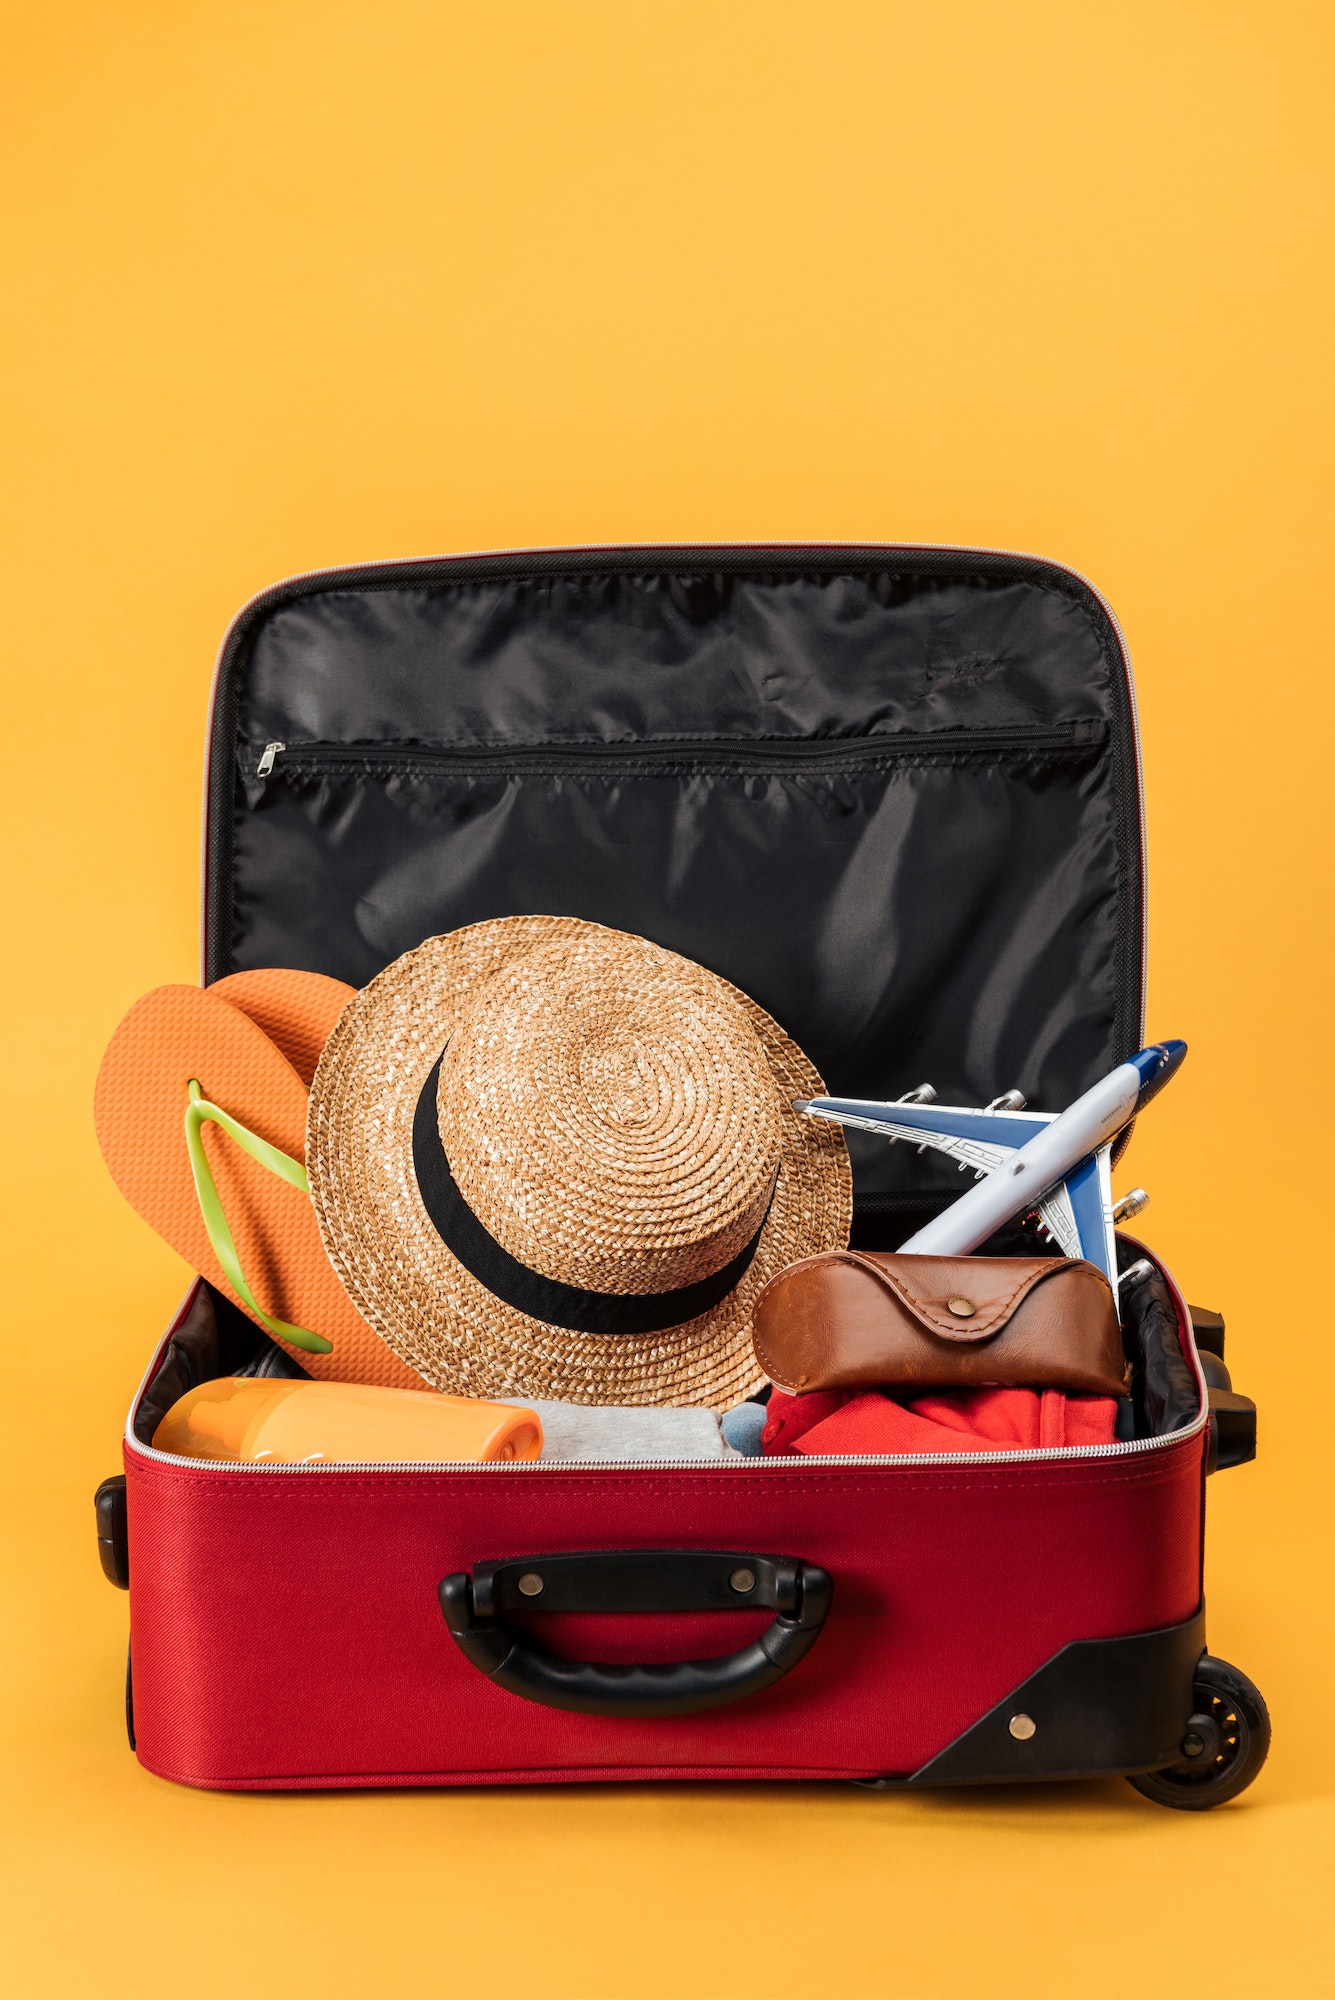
pixel 838 1422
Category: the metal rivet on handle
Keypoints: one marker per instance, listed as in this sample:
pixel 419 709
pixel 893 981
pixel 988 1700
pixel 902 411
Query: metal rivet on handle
pixel 962 1308
pixel 1022 1727
pixel 530 1583
pixel 742 1580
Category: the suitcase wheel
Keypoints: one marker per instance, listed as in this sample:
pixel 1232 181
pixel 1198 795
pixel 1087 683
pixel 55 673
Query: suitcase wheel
pixel 1223 1746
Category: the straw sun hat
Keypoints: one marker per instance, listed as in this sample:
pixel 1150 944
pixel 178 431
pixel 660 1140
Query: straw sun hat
pixel 549 1159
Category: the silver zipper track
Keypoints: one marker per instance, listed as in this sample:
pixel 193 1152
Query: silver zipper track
pixel 769 1467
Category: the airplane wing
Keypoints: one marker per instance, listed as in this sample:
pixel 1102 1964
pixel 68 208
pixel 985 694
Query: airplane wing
pixel 1058 1218
pixel 983 1140
pixel 1077 1212
pixel 983 1155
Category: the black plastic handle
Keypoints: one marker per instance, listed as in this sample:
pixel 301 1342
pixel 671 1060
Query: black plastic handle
pixel 621 1580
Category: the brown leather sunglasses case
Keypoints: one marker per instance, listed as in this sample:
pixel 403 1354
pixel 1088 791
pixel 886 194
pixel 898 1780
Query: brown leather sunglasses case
pixel 853 1319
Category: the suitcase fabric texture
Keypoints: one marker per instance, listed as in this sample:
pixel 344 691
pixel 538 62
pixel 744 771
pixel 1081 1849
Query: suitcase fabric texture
pixel 894 795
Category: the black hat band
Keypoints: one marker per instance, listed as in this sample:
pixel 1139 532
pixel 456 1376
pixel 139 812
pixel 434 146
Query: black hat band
pixel 528 1291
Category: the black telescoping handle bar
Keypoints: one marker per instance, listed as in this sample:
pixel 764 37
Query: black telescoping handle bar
pixel 638 1580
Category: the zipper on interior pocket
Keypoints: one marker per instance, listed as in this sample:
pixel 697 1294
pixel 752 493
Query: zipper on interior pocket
pixel 745 756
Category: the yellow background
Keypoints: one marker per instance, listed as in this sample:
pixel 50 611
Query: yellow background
pixel 291 284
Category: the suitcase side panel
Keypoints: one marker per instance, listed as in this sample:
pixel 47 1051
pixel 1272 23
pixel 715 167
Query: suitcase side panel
pixel 286 1629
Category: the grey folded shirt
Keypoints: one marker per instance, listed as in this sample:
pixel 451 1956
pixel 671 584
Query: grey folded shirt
pixel 610 1431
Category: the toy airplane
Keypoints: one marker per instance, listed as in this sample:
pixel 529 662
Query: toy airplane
pixel 1057 1163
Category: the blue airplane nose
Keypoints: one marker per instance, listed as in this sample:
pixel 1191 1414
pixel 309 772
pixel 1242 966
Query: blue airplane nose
pixel 1156 1065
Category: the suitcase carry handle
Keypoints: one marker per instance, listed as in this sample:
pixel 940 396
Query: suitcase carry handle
pixel 637 1580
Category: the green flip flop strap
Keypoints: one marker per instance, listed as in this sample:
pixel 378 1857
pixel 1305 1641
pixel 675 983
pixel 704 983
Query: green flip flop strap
pixel 200 1112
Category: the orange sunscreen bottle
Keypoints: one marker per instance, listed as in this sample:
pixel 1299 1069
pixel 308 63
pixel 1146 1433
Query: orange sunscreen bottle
pixel 318 1423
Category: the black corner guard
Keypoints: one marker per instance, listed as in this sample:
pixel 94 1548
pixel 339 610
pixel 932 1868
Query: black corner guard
pixel 636 1580
pixel 1099 1707
pixel 112 1541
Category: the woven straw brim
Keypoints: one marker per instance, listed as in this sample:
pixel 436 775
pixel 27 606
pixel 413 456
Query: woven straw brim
pixel 423 1302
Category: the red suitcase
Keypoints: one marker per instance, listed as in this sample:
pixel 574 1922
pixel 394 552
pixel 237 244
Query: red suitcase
pixel 892 793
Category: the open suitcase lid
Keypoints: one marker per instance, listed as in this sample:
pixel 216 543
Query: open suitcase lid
pixel 892 793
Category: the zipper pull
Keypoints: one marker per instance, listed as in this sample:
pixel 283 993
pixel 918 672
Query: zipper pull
pixel 265 765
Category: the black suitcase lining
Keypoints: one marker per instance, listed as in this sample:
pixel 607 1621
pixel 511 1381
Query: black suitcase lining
pixel 892 797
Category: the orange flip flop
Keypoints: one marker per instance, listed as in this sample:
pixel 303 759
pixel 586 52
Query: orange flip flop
pixel 297 1010
pixel 226 1185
